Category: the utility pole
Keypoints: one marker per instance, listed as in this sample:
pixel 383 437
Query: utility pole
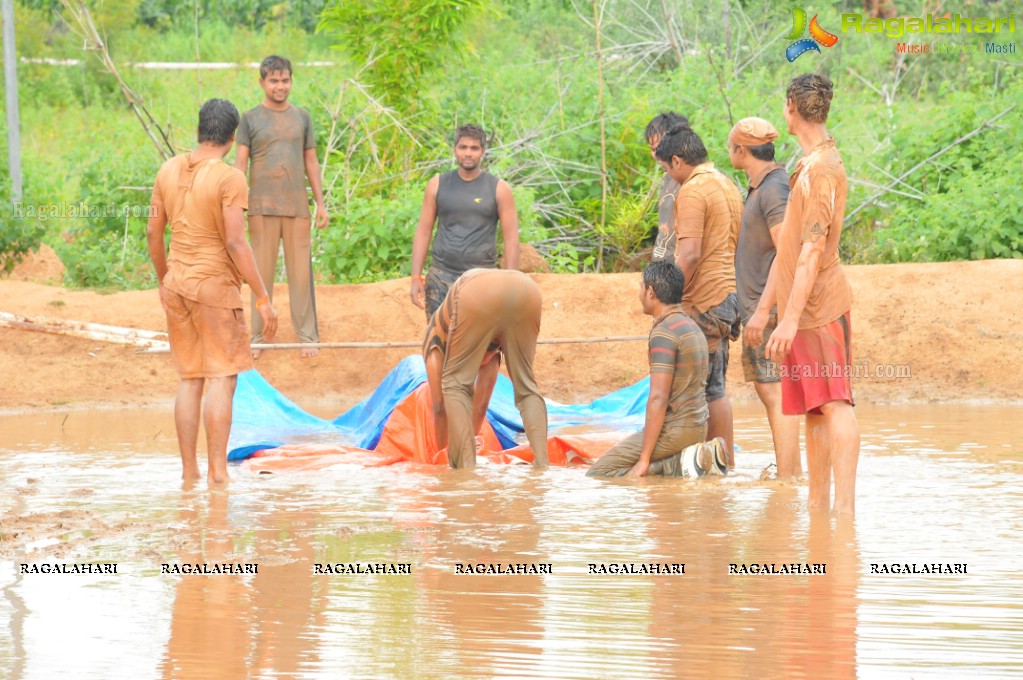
pixel 11 87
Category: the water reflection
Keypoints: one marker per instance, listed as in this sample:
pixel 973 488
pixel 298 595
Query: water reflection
pixel 936 485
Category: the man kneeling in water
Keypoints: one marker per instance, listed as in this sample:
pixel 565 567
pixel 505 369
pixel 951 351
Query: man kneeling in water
pixel 672 441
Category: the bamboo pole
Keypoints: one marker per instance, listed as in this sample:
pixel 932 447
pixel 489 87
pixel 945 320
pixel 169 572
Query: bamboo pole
pixel 144 339
pixel 415 343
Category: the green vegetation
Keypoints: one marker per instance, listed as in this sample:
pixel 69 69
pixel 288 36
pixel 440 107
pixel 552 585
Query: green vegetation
pixel 408 71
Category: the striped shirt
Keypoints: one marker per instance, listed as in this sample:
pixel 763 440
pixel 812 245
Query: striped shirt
pixel 678 346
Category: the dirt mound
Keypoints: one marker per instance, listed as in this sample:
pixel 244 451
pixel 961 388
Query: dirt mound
pixel 921 333
pixel 42 266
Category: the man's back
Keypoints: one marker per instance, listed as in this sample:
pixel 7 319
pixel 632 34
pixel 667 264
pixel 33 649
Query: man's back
pixel 709 207
pixel 678 346
pixel 194 195
pixel 816 209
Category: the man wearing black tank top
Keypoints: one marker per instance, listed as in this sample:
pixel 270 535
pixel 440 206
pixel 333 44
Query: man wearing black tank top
pixel 466 204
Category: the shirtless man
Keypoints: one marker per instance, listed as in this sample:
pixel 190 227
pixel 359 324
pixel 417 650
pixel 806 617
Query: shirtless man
pixel 487 313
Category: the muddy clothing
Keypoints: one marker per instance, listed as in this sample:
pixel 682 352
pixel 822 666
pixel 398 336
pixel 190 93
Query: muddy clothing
pixel 467 220
pixel 664 243
pixel 764 208
pixel 193 196
pixel 756 367
pixel 265 233
pixel 815 210
pixel 676 346
pixel 818 368
pixel 486 308
pixel 277 142
pixel 709 207
pixel 205 322
pixel 466 238
pixel 437 282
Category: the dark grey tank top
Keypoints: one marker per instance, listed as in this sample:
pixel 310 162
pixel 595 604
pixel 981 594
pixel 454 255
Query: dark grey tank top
pixel 467 223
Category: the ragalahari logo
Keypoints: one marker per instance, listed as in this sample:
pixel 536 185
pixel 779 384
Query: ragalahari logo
pixel 819 35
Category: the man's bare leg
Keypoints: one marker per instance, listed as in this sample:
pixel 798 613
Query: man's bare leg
pixel 719 424
pixel 186 423
pixel 784 431
pixel 485 382
pixel 818 462
pixel 844 441
pixel 217 418
pixel 434 368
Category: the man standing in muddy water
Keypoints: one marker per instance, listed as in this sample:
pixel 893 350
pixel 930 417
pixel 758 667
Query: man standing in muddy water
pixel 279 141
pixel 487 313
pixel 204 201
pixel 751 149
pixel 812 342
pixel 708 215
pixel 466 204
pixel 676 410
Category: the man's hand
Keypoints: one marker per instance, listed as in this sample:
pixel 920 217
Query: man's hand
pixel 322 218
pixel 269 314
pixel 780 342
pixel 418 292
pixel 754 330
pixel 639 469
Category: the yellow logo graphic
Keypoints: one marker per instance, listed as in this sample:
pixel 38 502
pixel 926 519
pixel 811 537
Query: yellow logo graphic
pixel 478 200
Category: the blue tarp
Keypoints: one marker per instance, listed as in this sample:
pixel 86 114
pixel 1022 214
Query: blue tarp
pixel 264 418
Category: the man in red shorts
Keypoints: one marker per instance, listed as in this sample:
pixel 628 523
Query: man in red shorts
pixel 812 340
pixel 204 201
pixel 487 313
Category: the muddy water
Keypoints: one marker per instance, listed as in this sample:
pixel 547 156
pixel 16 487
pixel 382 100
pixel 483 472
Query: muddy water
pixel 936 485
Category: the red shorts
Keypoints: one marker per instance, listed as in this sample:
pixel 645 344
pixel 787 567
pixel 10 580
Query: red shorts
pixel 818 368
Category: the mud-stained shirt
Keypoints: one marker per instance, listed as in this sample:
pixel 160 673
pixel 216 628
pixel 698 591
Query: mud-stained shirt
pixel 467 218
pixel 277 141
pixel 815 210
pixel 754 254
pixel 678 346
pixel 193 196
pixel 708 206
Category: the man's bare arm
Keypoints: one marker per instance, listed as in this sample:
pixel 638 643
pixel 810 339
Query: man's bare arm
pixel 241 254
pixel 241 158
pixel 312 171
pixel 656 407
pixel 156 228
pixel 421 241
pixel 807 267
pixel 687 256
pixel 509 218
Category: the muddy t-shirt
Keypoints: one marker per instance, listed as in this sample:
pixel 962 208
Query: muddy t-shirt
pixel 764 209
pixel 193 196
pixel 277 141
pixel 708 206
pixel 466 223
pixel 678 346
pixel 815 210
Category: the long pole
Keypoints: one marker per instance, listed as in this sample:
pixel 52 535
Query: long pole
pixel 11 87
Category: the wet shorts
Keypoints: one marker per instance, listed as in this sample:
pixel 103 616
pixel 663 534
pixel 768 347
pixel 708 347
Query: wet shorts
pixel 437 282
pixel 756 367
pixel 719 325
pixel 206 342
pixel 817 369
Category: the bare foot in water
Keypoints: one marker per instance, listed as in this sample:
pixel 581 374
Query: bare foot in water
pixel 309 352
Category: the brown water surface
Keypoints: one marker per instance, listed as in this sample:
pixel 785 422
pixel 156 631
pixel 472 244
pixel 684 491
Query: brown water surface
pixel 937 484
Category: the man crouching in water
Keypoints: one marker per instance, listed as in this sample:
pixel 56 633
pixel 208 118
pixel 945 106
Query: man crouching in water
pixel 676 411
pixel 486 313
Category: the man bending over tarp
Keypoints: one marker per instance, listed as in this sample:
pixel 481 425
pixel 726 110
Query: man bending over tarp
pixel 676 412
pixel 486 313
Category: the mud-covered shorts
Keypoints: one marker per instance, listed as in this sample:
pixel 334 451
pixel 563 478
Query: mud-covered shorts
pixel 719 325
pixel 437 282
pixel 206 342
pixel 756 367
